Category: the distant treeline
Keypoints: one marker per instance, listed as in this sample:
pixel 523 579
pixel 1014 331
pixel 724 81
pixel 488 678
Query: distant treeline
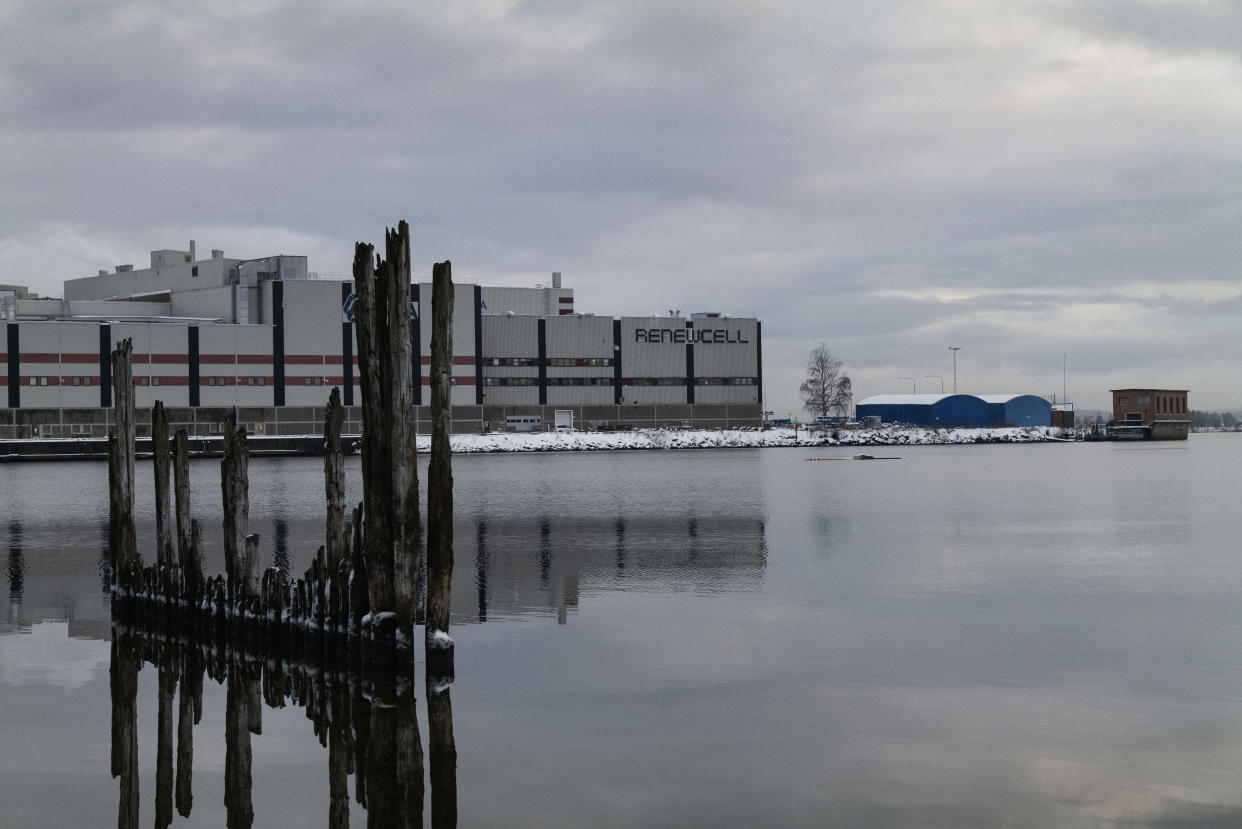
pixel 1213 420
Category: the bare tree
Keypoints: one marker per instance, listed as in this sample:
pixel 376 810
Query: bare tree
pixel 826 388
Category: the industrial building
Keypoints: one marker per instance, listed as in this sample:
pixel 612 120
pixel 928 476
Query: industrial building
pixel 1159 414
pixel 957 410
pixel 271 338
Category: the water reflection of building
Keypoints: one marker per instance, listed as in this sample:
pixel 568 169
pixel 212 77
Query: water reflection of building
pixel 368 725
pixel 544 564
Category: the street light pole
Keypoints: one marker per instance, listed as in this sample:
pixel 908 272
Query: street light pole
pixel 914 388
pixel 938 377
pixel 955 349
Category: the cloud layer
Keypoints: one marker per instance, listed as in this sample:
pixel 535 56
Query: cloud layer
pixel 1038 182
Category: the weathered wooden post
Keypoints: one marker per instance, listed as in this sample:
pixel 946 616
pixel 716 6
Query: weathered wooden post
pixel 439 646
pixel 123 537
pixel 376 480
pixel 160 463
pixel 336 542
pixel 181 491
pixel 235 492
pixel 406 526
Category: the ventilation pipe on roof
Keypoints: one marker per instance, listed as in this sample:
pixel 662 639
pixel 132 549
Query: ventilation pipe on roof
pixel 556 279
pixel 217 254
pixel 192 255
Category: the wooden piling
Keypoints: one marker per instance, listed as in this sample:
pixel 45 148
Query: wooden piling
pixel 123 537
pixel 160 462
pixel 439 647
pixel 405 524
pixel 336 538
pixel 181 495
pixel 235 492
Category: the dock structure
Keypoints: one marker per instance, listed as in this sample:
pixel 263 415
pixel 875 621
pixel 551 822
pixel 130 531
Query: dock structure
pixel 359 601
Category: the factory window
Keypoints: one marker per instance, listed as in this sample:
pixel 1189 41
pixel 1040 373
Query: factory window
pixel 194 270
pixel 258 381
pixel 1144 400
pixel 77 381
pixel 307 380
pixel 220 381
pixel 155 381
pixel 211 381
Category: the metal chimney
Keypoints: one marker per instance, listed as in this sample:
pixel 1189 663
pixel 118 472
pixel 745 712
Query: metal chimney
pixel 193 258
pixel 556 279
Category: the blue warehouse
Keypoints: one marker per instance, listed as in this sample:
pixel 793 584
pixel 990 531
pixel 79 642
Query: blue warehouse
pixel 927 410
pixel 1017 410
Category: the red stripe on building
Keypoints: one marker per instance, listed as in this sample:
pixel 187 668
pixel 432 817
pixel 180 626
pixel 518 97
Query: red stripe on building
pixel 565 300
pixel 304 359
pixel 214 359
pixel 79 358
pixel 40 357
pixel 165 359
pixel 462 380
pixel 468 360
pixel 565 311
pixel 254 359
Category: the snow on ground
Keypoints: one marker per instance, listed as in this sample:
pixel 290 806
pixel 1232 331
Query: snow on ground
pixel 710 439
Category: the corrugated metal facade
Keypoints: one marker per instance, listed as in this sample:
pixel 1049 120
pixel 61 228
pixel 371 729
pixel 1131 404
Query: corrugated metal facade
pixel 1018 410
pixel 926 410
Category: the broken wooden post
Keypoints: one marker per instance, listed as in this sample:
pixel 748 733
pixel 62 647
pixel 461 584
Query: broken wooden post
pixel 122 535
pixel 439 647
pixel 376 478
pixel 336 542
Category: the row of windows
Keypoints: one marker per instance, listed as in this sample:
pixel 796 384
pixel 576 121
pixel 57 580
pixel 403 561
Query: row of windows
pixel 1171 405
pixel 629 381
pixel 557 362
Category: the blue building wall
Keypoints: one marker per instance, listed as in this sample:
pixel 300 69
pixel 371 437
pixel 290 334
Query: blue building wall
pixel 1022 410
pixel 954 410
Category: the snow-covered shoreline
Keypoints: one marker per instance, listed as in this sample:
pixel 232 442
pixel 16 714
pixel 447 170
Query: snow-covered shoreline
pixel 734 438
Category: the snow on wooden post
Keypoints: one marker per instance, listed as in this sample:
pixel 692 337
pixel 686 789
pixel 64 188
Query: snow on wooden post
pixel 439 646
pixel 122 536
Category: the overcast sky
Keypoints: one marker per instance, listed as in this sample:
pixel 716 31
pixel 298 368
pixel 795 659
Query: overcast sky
pixel 1043 184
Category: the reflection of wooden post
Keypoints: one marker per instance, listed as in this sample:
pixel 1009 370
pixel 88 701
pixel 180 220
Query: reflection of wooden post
pixel 164 747
pixel 126 565
pixel 185 730
pixel 237 756
pixel 440 476
pixel 442 751
pixel 338 753
pixel 124 685
pixel 160 459
pixel 409 762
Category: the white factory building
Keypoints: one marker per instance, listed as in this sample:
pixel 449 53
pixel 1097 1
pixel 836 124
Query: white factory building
pixel 271 338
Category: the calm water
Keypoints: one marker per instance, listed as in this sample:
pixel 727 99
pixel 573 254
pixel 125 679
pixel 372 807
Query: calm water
pixel 970 636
